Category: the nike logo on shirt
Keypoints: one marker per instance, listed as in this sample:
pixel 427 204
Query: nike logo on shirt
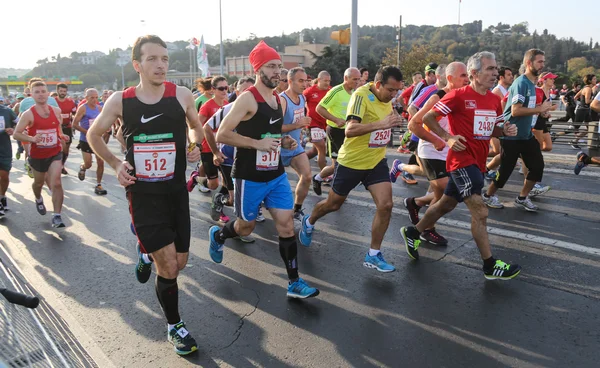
pixel 271 121
pixel 144 121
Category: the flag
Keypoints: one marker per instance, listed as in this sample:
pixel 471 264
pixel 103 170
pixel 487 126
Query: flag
pixel 202 58
pixel 193 42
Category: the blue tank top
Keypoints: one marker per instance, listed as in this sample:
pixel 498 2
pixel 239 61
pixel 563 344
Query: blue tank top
pixel 87 120
pixel 293 113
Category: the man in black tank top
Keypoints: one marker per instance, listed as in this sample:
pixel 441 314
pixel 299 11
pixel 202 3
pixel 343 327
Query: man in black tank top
pixel 254 126
pixel 154 118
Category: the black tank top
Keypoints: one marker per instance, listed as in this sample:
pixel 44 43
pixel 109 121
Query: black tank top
pixel 582 103
pixel 267 122
pixel 155 137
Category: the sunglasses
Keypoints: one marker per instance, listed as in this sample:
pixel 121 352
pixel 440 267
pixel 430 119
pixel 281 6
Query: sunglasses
pixel 222 88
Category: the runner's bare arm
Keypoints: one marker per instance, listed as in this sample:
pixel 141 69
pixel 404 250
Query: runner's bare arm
pixel 355 127
pixel 63 137
pixel 111 112
pixel 78 116
pixel 210 138
pixel 244 108
pixel 196 134
pixel 430 119
pixel 415 125
pixel 595 105
pixel 24 122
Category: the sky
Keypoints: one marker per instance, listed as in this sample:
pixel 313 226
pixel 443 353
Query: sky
pixel 52 28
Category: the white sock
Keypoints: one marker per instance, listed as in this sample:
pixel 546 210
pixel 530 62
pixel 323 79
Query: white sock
pixel 170 327
pixel 318 177
pixel 56 215
pixel 374 252
pixel 39 200
pixel 401 166
pixel 308 223
pixel 146 258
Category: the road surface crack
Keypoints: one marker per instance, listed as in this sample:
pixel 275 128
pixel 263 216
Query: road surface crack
pixel 238 331
pixel 452 251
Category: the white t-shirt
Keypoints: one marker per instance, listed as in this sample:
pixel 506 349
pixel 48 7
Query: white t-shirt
pixel 427 150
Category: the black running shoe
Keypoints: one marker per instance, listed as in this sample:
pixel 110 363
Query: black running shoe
pixel 4 203
pixel 413 209
pixel 81 173
pixel 143 270
pixel 316 185
pixel 411 241
pixel 432 236
pixel 502 271
pixel 99 190
pixel 216 207
pixel 183 342
pixel 39 206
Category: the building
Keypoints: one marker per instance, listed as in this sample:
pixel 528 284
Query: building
pixel 293 56
pixel 90 58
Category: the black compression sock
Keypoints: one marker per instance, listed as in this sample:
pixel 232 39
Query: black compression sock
pixel 489 263
pixel 297 207
pixel 167 292
pixel 227 232
pixel 288 249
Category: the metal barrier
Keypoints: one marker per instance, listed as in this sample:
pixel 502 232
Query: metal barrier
pixel 33 337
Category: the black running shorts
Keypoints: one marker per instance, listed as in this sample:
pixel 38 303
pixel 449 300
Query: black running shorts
pixel 434 169
pixel 161 219
pixel 211 171
pixel 335 140
pixel 345 179
pixel 84 147
pixel 43 164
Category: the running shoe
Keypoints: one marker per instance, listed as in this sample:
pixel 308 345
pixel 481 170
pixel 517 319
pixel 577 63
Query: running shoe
pixel 183 342
pixel 408 178
pixel 316 185
pixel 305 234
pixel 191 183
pixel 1 210
pixel 538 189
pixel 203 188
pixel 57 221
pixel 502 271
pixel 143 270
pixel 395 170
pixel 526 204
pixel 39 206
pixel 328 180
pixel 29 170
pixel 433 237
pixel 216 206
pixel 411 241
pixel 260 217
pixel 413 210
pixel 245 239
pixel 81 173
pixel 300 289
pixel 18 155
pixel 574 144
pixel 553 136
pixel 581 158
pixel 64 172
pixel 99 190
pixel 215 249
pixel 403 150
pixel 378 262
pixel 4 203
pixel 223 217
pixel 492 201
pixel 491 175
pixel 405 138
pixel 299 215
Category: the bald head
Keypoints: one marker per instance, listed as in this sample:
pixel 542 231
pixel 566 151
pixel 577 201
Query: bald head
pixel 457 75
pixel 90 92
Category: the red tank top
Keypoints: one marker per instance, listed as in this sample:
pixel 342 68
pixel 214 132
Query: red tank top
pixel 49 129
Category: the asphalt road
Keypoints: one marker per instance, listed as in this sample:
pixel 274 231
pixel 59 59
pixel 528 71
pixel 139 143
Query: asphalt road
pixel 438 312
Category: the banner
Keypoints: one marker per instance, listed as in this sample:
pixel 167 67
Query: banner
pixel 202 59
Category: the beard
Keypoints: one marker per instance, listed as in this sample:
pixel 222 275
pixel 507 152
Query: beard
pixel 61 96
pixel 536 72
pixel 267 81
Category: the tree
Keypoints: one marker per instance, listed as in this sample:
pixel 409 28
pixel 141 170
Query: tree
pixel 414 60
pixel 334 59
pixel 574 65
pixel 585 71
pixel 91 80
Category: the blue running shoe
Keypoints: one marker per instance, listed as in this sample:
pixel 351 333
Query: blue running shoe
pixel 305 234
pixel 132 229
pixel 183 342
pixel 580 164
pixel 491 175
pixel 301 290
pixel 395 171
pixel 377 262
pixel 215 249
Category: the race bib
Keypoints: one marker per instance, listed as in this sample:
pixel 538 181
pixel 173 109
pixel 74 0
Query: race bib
pixel 65 116
pixel 154 161
pixel 49 138
pixel 2 124
pixel 298 114
pixel 534 120
pixel 484 123
pixel 317 134
pixel 267 161
pixel 380 138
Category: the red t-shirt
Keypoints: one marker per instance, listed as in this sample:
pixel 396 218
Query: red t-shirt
pixel 208 109
pixel 313 95
pixel 474 117
pixel 67 108
pixel 48 128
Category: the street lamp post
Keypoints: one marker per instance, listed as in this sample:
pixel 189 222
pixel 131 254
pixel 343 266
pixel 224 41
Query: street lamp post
pixel 221 38
pixel 354 35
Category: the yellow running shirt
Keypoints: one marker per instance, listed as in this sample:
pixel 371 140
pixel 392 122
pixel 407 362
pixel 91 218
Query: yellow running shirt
pixel 336 103
pixel 364 152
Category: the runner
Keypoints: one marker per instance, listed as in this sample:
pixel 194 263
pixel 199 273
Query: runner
pixel 362 159
pixel 8 121
pixel 505 80
pixel 583 159
pixel 204 85
pixel 333 108
pixel 474 114
pixel 154 126
pixel 208 174
pixel 43 124
pixel 84 119
pixel 68 108
pixel 254 126
pixel 294 121
pixel 313 96
pixel 519 111
pixel 432 150
pixel 582 112
pixel 283 82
